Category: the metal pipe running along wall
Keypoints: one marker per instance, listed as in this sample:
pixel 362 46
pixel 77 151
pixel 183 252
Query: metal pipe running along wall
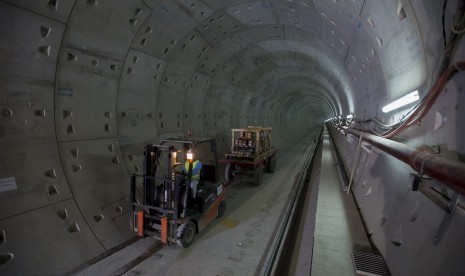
pixel 449 172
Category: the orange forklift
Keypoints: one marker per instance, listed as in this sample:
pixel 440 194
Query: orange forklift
pixel 163 205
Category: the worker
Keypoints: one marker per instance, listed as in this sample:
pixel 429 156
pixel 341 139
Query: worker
pixel 196 167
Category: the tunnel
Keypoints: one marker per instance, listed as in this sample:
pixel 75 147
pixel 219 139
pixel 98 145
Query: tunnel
pixel 86 84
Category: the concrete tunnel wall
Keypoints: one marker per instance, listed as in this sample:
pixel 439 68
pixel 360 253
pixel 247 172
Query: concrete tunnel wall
pixel 86 84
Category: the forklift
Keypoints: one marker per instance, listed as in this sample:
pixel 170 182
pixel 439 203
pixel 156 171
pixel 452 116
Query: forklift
pixel 169 209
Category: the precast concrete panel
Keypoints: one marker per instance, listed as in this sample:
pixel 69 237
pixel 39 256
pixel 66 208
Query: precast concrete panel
pixel 222 4
pixel 30 168
pixel 302 17
pixel 246 101
pixel 137 97
pixel 136 102
pixel 40 184
pixel 100 182
pixel 296 34
pixel 254 13
pixel 153 4
pixel 31 51
pixel 266 113
pixel 229 46
pixel 340 22
pixel 170 110
pixel 227 108
pixel 258 111
pixel 177 76
pixel 223 75
pixel 399 45
pixel 189 54
pixel 251 111
pixel 241 72
pixel 77 86
pixel 448 246
pixel 57 10
pixel 211 109
pixel 105 29
pixel 47 241
pixel 251 57
pixel 405 237
pixel 211 62
pixel 367 75
pixel 192 49
pixel 440 128
pixel 429 19
pixel 218 27
pixel 163 30
pixel 197 9
pixel 194 104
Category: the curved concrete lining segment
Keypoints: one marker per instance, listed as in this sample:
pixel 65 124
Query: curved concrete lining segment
pixel 85 84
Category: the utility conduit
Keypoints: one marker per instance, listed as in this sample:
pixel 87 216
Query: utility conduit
pixel 449 172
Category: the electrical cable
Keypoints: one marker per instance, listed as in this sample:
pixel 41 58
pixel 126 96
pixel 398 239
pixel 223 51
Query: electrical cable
pixel 425 104
pixel 443 20
pixel 430 98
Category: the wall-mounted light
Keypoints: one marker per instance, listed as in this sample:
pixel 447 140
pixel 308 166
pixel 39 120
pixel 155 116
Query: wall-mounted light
pixel 405 100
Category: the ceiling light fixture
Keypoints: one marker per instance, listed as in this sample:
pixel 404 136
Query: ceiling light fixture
pixel 405 100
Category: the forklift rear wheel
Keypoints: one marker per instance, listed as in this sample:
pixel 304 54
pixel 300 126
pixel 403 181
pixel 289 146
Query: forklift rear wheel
pixel 188 234
pixel 221 209
pixel 257 176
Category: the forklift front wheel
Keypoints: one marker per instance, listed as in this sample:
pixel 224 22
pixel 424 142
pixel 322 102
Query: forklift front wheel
pixel 221 209
pixel 188 234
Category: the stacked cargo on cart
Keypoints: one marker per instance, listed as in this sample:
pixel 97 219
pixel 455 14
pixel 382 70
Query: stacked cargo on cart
pixel 251 154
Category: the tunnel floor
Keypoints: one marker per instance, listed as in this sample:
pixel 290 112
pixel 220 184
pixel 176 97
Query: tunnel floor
pixel 236 243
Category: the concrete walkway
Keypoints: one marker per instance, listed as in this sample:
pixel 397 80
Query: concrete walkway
pixel 338 228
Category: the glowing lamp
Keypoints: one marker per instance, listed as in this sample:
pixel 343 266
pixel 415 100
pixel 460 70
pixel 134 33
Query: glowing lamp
pixel 190 156
pixel 405 100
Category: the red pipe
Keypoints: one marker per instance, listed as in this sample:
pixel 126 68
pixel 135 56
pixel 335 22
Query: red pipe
pixel 449 172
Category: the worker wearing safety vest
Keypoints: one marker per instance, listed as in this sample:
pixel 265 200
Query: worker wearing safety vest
pixel 196 167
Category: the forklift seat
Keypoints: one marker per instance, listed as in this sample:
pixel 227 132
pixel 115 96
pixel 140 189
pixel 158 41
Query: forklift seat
pixel 208 172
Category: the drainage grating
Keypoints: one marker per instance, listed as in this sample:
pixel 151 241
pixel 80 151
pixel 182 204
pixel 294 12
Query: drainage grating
pixel 369 264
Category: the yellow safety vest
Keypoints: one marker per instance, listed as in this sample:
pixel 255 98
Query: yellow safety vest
pixel 196 166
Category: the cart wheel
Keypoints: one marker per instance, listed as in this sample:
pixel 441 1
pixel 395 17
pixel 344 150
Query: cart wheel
pixel 228 172
pixel 257 176
pixel 271 165
pixel 221 209
pixel 187 234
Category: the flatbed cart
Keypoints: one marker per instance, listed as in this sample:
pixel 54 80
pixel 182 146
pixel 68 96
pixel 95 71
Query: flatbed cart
pixel 251 154
pixel 167 209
